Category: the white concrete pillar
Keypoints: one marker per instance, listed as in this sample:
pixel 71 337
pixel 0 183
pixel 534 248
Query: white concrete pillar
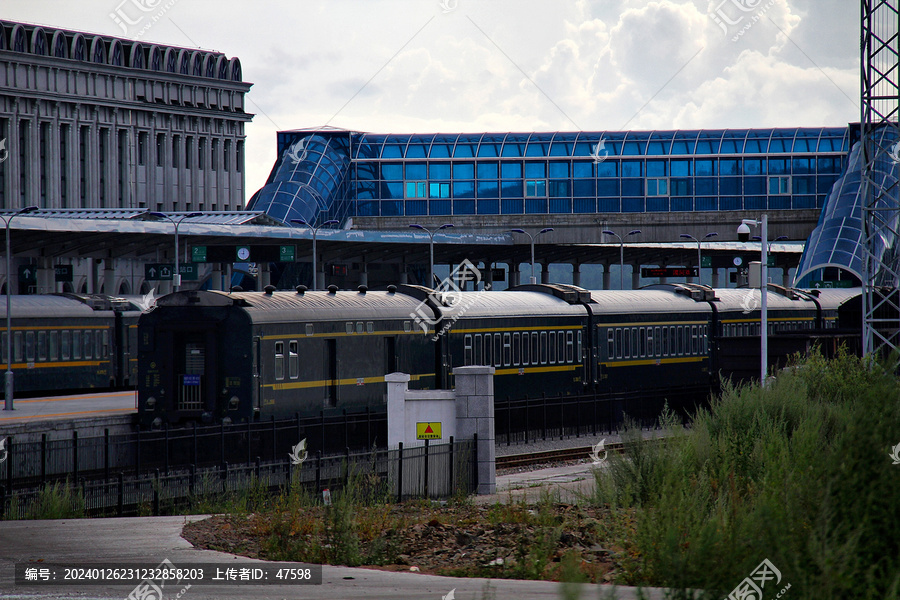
pixel 475 415
pixel 576 274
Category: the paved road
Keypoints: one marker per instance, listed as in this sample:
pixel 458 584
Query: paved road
pixel 150 540
pixel 100 404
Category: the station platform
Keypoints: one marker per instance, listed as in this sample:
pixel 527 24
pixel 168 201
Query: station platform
pixel 84 412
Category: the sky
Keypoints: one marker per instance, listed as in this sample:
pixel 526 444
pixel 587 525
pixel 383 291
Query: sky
pixel 506 65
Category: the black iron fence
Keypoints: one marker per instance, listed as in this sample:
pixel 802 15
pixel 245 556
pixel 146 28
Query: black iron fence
pixel 530 419
pixel 429 471
pixel 100 457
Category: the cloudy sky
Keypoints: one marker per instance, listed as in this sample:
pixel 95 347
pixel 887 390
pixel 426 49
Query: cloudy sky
pixel 508 65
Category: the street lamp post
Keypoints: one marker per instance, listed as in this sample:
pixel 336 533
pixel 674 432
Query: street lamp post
pixel 315 231
pixel 431 245
pixel 9 385
pixel 621 253
pixel 532 238
pixel 699 257
pixel 176 277
pixel 743 232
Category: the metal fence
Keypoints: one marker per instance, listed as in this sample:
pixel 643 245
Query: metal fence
pixel 100 457
pixel 429 471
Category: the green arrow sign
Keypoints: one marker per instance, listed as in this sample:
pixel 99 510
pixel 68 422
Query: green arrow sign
pixel 198 254
pixel 27 274
pixel 158 271
pixel 189 271
pixel 706 261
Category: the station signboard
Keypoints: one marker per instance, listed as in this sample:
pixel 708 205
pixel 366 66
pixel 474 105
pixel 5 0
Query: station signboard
pixel 669 272
pixel 63 273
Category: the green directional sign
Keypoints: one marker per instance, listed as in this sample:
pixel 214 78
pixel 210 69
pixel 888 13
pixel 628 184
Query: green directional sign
pixel 198 254
pixel 28 274
pixel 189 271
pixel 158 271
pixel 287 253
pixel 706 262
pixel 63 273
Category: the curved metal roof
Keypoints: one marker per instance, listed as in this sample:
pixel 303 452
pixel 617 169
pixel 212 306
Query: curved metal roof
pixel 27 307
pixel 507 304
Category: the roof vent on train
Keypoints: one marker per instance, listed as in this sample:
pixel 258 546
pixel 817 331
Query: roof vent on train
pixel 301 289
pixel 363 289
pixel 269 289
pixel 392 289
pixel 570 293
pixel 237 288
pixel 332 289
pixel 695 291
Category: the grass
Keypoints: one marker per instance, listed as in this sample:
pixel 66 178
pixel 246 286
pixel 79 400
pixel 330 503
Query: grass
pixel 797 473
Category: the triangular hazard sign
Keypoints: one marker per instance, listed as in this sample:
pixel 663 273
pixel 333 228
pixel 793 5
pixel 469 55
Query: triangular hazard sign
pixel 428 429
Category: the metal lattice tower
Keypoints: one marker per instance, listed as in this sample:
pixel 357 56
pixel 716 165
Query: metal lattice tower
pixel 880 95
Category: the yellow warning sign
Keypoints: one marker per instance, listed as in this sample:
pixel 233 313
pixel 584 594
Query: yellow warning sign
pixel 428 431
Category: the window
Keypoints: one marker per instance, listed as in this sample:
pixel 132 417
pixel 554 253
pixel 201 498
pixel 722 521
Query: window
pixel 507 349
pixel 142 148
pixel 42 345
pixel 779 185
pixel 98 345
pixel 188 147
pixel 309 328
pixel 695 345
pixel 526 345
pixel 467 349
pixel 439 190
pixel 678 346
pixel 360 328
pixel 29 346
pixel 214 156
pixel 535 188
pixel 416 189
pixel 610 343
pixel 66 345
pixel 552 347
pixel 348 327
pixel 543 347
pixel 579 355
pixel 570 347
pixel 294 359
pixel 88 344
pixel 370 327
pixel 516 348
pixel 201 154
pixel 226 156
pixel 658 187
pixel 176 147
pixel 279 360
pixel 618 343
pixel 487 350
pixel 53 351
pixel 17 346
pixel 534 348
pixel 477 348
pixel 497 349
pixel 627 338
pixel 160 149
pixel 561 346
pixel 658 341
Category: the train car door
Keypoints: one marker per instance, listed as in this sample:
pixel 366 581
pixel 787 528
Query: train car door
pixel 257 376
pixel 195 369
pixel 331 373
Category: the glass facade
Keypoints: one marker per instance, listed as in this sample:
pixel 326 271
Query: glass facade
pixel 391 175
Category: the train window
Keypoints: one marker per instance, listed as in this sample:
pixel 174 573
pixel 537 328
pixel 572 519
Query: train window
pixel 497 349
pixel 42 345
pixel 360 327
pixel 507 349
pixel 309 329
pixel 543 347
pixel 640 346
pixel 65 345
pixel 534 348
pixel 678 347
pixel 516 348
pixel 293 359
pixel 29 346
pixel 478 353
pixel 657 340
pixel 467 349
pixel 348 326
pixel 636 342
pixel 695 346
pixel 552 347
pixel 672 340
pixel 561 346
pixel 106 343
pixel 526 355
pixel 570 346
pixel 370 327
pixel 627 334
pixel 649 341
pixel 704 339
pixel 580 355
pixel 98 345
pixel 618 342
pixel 407 326
pixel 610 342
pixel 17 346
pixel 279 360
pixel 88 344
pixel 488 360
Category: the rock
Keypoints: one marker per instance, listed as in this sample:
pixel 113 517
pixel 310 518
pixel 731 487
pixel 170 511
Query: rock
pixel 414 569
pixel 402 559
pixel 463 538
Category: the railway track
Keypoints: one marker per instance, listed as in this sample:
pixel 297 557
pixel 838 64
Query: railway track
pixel 551 456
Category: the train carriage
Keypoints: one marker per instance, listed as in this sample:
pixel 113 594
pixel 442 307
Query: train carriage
pixel 241 356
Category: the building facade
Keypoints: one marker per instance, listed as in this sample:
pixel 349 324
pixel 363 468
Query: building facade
pixel 91 121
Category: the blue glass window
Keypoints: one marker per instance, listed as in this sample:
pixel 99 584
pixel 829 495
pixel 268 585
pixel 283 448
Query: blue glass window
pixel 583 188
pixel 706 204
pixel 704 168
pixel 367 209
pixel 488 207
pixel 463 171
pixel 563 144
pixel 511 189
pixel 632 187
pixel 512 206
pixel 680 168
pixel 754 185
pixel 439 170
pixel 708 142
pixel 660 142
pixel 684 143
pixel 487 170
pixel 582 169
pixel 537 147
pixel 782 140
pixel 559 169
pixel 535 205
pixel 609 205
pixel 391 208
pixel 829 165
pixel 487 189
pixel 803 185
pixel 416 207
pixel 730 203
pixel 464 149
pixel 803 202
pixel 535 170
pixel 729 186
pixel 825 183
pixel 682 204
pixel 728 166
pixel 704 185
pixel 559 188
pixel 511 170
pixel 757 142
pixel 584 205
pixel 656 168
pixel 657 205
pixel 608 188
pixel 657 187
pixel 391 151
pixel 608 168
pixel 438 190
pixel 416 171
pixel 681 187
pixel 632 205
pixel 632 168
pixel 514 145
pixel 464 189
pixel 778 167
pixel 803 166
pixel 779 185
pixel 391 171
pixel 490 146
pixel 392 189
pixel 415 189
pixel 415 150
pixel 560 205
pixel 733 142
pixel 439 207
pixel 463 207
pixel 535 188
pixel 754 167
